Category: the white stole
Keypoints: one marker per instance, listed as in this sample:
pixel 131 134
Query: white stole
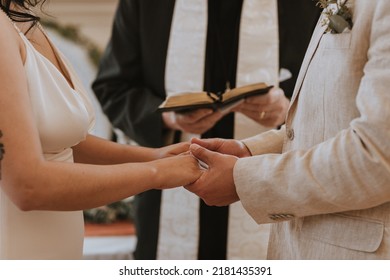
pixel 257 62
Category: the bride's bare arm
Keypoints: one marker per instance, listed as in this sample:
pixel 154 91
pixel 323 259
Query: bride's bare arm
pixel 36 184
pixel 100 151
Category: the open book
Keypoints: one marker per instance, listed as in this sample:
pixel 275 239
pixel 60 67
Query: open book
pixel 190 101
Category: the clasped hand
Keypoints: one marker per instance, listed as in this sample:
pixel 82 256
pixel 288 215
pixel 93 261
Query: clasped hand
pixel 212 178
pixel 216 184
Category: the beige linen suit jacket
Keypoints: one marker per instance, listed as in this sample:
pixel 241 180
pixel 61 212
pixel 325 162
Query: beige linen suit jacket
pixel 324 178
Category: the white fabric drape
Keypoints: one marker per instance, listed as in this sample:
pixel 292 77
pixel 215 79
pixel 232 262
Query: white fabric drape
pixel 257 62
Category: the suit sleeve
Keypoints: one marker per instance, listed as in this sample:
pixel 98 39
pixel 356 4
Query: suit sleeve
pixel 350 171
pixel 270 142
pixel 129 104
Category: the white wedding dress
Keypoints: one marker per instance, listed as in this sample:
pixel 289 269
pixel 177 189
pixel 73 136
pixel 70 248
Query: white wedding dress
pixel 63 115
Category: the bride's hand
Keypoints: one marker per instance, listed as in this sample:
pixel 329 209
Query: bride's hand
pixel 172 150
pixel 175 171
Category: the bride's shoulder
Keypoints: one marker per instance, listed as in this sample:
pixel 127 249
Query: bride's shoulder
pixel 9 36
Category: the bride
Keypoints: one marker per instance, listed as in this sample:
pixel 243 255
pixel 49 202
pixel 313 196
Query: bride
pixel 52 167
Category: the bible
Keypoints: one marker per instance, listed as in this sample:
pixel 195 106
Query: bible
pixel 188 101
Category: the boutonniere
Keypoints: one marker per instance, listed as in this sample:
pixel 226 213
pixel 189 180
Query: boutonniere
pixel 337 16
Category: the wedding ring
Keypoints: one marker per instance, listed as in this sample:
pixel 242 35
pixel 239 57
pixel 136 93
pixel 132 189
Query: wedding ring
pixel 262 115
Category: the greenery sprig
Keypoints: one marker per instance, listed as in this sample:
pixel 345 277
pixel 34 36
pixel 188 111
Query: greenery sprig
pixel 337 16
pixel 122 210
pixel 72 33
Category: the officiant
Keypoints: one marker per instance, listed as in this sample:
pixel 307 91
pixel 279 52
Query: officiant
pixel 163 47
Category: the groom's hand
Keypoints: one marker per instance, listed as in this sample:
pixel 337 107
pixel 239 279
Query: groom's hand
pixel 224 146
pixel 216 185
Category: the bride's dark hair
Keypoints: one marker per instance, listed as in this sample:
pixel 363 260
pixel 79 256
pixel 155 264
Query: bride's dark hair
pixel 23 14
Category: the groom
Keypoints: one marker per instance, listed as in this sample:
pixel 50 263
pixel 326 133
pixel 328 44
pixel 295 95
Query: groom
pixel 323 180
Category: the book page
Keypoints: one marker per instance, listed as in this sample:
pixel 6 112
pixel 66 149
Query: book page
pixel 185 99
pixel 243 90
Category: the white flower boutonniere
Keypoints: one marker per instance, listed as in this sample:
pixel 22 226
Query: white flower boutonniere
pixel 338 17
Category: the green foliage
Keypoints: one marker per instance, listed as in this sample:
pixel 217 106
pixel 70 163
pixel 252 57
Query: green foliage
pixel 71 33
pixel 121 210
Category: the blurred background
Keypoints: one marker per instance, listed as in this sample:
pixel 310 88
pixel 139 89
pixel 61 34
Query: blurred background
pixel 93 18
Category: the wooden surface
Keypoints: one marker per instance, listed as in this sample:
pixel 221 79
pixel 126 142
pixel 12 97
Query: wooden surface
pixel 115 229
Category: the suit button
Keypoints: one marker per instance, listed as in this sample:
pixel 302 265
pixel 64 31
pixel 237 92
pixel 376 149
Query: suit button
pixel 290 134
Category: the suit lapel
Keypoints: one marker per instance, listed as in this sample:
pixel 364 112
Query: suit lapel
pixel 316 38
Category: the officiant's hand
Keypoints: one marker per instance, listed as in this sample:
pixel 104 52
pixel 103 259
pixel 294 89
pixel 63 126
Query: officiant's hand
pixel 216 184
pixel 196 121
pixel 224 146
pixel 269 109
